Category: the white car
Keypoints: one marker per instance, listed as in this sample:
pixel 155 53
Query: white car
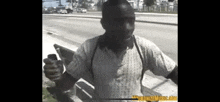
pixel 81 10
pixel 62 11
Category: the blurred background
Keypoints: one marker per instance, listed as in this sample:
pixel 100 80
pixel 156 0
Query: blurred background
pixel 70 22
pixel 164 6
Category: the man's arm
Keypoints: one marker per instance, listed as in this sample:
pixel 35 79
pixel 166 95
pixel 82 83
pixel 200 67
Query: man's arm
pixel 160 64
pixel 66 82
pixel 174 75
pixel 76 68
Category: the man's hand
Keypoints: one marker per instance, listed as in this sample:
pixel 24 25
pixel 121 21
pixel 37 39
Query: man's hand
pixel 174 75
pixel 53 69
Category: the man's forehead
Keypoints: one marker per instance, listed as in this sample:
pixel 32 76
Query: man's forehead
pixel 119 11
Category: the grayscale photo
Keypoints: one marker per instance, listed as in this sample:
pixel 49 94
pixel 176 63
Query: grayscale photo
pixel 109 50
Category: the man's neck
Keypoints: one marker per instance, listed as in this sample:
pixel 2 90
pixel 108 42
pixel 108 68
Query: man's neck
pixel 115 46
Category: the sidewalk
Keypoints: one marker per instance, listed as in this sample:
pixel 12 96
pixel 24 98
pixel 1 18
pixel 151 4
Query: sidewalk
pixel 49 41
pixel 164 14
pixel 136 12
pixel 47 48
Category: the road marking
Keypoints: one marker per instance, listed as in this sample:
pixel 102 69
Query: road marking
pixel 92 19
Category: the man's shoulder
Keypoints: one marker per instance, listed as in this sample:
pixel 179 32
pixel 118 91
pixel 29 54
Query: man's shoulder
pixel 147 45
pixel 90 44
pixel 143 42
pixel 92 40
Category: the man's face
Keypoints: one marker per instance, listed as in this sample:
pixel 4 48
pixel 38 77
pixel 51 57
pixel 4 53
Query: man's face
pixel 119 23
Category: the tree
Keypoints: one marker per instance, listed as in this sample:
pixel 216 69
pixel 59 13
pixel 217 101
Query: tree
pixel 149 3
pixel 99 4
pixel 90 1
pixel 70 0
pixel 84 4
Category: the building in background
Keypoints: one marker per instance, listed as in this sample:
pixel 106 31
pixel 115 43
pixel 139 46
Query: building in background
pixel 162 6
pixel 175 8
pixel 136 4
pixel 54 3
pixel 169 6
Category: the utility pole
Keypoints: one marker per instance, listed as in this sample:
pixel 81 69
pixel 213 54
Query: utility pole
pixel 71 4
pixel 59 3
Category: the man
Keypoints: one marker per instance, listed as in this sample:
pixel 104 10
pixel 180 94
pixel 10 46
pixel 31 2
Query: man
pixel 116 59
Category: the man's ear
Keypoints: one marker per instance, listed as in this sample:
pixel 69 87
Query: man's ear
pixel 103 23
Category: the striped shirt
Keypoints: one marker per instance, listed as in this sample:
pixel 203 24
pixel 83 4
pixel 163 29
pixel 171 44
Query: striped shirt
pixel 119 76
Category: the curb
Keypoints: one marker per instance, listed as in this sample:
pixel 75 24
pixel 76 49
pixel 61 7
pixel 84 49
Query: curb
pixel 173 24
pixel 159 14
pixel 99 17
pixel 148 13
pixel 63 38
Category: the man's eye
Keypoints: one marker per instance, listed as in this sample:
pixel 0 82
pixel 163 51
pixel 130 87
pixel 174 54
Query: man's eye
pixel 121 21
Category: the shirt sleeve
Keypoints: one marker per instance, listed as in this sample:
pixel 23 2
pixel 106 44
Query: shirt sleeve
pixel 159 63
pixel 77 66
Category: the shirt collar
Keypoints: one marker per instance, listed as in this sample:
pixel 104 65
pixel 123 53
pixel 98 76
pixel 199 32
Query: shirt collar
pixel 102 43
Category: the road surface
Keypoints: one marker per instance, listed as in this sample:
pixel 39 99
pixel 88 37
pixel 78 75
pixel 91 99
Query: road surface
pixel 77 30
pixel 170 19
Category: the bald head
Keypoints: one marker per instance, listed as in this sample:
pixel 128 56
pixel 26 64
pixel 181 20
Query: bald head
pixel 117 9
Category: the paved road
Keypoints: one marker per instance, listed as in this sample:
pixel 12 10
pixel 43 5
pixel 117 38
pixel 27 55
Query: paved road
pixel 170 19
pixel 77 30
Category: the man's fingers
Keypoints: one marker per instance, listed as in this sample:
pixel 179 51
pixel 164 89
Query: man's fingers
pixel 48 61
pixel 52 71
pixel 53 77
pixel 50 66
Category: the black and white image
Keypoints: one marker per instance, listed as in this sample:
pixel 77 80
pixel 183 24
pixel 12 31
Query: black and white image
pixel 109 50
